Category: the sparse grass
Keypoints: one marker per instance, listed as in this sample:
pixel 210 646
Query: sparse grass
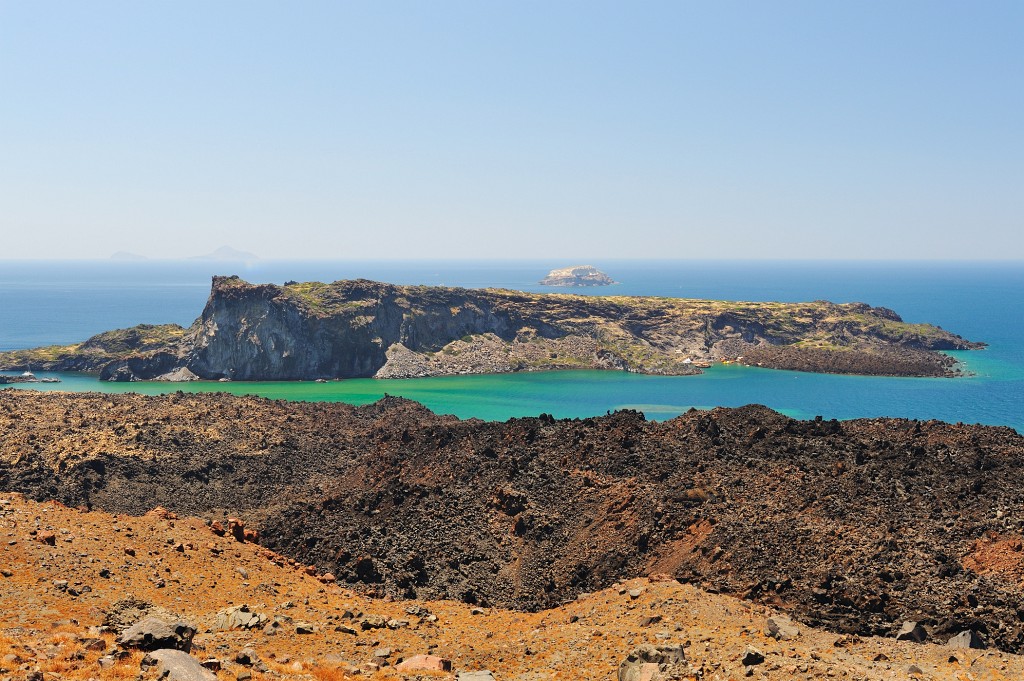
pixel 126 669
pixel 329 673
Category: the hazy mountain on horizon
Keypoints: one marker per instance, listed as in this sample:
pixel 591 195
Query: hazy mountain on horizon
pixel 227 253
pixel 127 255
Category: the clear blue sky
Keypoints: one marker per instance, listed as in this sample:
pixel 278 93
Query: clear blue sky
pixel 513 129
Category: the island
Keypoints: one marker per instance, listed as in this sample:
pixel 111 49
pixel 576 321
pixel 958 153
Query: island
pixel 360 328
pixel 577 275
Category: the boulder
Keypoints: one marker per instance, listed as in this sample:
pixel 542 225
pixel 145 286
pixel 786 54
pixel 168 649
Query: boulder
pixel 175 665
pixel 246 657
pixel 912 631
pixel 153 633
pixel 966 639
pixel 751 656
pixel 239 617
pixel 425 663
pixel 650 663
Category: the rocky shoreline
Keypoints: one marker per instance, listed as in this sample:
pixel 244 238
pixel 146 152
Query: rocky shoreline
pixel 308 331
pixel 856 527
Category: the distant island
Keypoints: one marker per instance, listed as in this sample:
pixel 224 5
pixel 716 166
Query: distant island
pixel 577 275
pixel 222 254
pixel 312 330
pixel 127 255
pixel 227 253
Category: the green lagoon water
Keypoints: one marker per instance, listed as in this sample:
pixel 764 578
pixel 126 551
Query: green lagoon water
pixel 45 303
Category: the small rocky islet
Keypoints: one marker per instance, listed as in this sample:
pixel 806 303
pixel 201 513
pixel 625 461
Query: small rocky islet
pixel 359 328
pixel 577 275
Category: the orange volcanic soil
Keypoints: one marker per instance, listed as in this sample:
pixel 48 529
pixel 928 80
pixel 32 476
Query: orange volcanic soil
pixel 63 571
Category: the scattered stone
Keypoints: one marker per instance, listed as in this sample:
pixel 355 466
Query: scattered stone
pixel 915 670
pixel 425 663
pixel 781 629
pixel 246 657
pixel 304 628
pixel 635 593
pixel 372 622
pixel 966 639
pixel 236 526
pixel 243 675
pixel 175 665
pixel 239 617
pixel 161 512
pixel 153 633
pixel 475 676
pixel 646 662
pixel 94 644
pixel 213 664
pixel 46 537
pixel 751 656
pixel 382 653
pixel 649 620
pixel 912 631
pixel 6 573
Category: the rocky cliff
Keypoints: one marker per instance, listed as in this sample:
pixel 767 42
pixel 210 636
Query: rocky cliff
pixel 362 329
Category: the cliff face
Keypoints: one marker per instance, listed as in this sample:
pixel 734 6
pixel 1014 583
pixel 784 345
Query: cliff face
pixel 362 328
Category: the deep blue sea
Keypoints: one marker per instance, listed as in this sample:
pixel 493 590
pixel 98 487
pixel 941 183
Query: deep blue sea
pixel 44 303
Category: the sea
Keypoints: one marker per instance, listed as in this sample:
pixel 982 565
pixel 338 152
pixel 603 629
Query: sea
pixel 61 302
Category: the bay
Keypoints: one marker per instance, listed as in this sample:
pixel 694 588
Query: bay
pixel 44 303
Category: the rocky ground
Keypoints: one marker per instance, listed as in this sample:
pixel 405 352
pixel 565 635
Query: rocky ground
pixel 74 582
pixel 855 527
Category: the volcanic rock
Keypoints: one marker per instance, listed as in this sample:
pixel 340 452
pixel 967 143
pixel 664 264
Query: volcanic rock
pixel 912 631
pixel 153 633
pixel 175 665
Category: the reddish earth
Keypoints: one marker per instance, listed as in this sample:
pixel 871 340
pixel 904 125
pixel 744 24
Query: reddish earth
pixel 55 597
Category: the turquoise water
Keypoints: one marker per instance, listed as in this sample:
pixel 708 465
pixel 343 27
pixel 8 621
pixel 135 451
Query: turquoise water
pixel 59 303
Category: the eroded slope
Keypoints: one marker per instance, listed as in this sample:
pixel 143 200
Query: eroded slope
pixel 853 526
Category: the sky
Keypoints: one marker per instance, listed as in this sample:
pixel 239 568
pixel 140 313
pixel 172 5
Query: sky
pixel 528 129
